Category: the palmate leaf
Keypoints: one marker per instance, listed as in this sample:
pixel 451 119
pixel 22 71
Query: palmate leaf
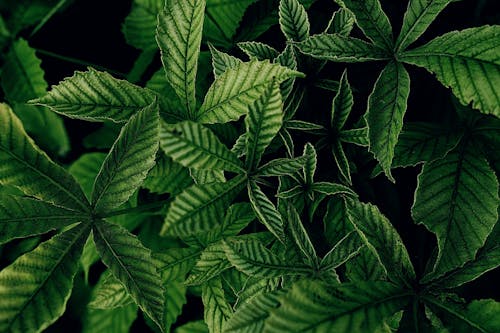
pixel 372 20
pixel 258 51
pixel 222 61
pixel 140 24
pixel 232 92
pixel 131 264
pixel 109 293
pixel 129 160
pixel 213 261
pixel 23 79
pixel 342 103
pixel 472 73
pixel 22 217
pixel 385 111
pixel 449 194
pixel 419 15
pixel 173 264
pixel 25 166
pixel 179 31
pixel 35 288
pixel 339 48
pixel 96 96
pixel 117 320
pixel 341 22
pixel 383 240
pixel 217 308
pixel 85 169
pixel 345 249
pixel 262 123
pixel 195 146
pixel 199 207
pixel 312 306
pixel 300 236
pixel 293 20
pixel 282 167
pixel 175 298
pixel 167 176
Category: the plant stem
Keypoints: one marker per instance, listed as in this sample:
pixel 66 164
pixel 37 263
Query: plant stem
pixel 139 209
pixel 48 16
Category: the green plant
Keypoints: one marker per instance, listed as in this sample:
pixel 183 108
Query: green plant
pixel 270 240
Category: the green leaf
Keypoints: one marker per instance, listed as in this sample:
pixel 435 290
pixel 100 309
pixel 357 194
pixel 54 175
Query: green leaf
pixel 339 48
pixel 109 293
pixel 301 237
pixel 265 211
pixel 237 88
pixel 198 208
pixel 342 162
pixel 342 103
pixel 140 24
pixel 345 249
pixel 258 51
pixel 222 61
pixel 128 162
pixel 173 264
pixel 365 267
pixel 174 301
pixel 254 259
pixel 383 240
pixel 293 20
pixel 372 20
pixel 472 72
pixel 117 320
pixel 213 262
pixel 179 31
pixel 262 123
pixel 217 308
pixel 23 79
pixel 131 263
pixel 281 167
pixel 311 161
pixel 25 166
pixel 193 327
pixel 35 288
pixel 249 317
pixel 385 112
pixel 22 217
pixel 341 22
pixel 195 146
pixel 167 176
pixel 85 169
pixel 96 96
pixel 457 199
pixel 312 306
pixel 418 17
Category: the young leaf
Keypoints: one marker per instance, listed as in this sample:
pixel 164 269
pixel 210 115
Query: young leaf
pixel 311 161
pixel 258 51
pixel 222 61
pixel 266 211
pixel 372 20
pixel 448 195
pixel 131 263
pixel 342 103
pixel 386 108
pixel 282 166
pixel 339 48
pixel 195 146
pixel 129 160
pixel 263 122
pixel 35 288
pixel 312 306
pixel 179 31
pixel 300 236
pixel 341 161
pixel 140 24
pixel 419 15
pixel 294 22
pixel 25 166
pixel 467 62
pixel 383 240
pixel 199 207
pixel 217 308
pixel 96 96
pixel 117 320
pixel 230 95
pixel 22 217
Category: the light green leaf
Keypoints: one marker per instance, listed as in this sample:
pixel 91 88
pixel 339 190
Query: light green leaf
pixel 217 308
pixel 288 59
pixel 372 20
pixel 418 17
pixel 213 261
pixel 341 22
pixel 199 207
pixel 117 320
pixel 179 31
pixel 173 264
pixel 96 96
pixel 222 61
pixel 311 161
pixel 195 146
pixel 301 236
pixel 262 123
pixel 312 306
pixel 131 263
pixel 140 24
pixel 293 20
pixel 35 288
pixel 258 51
pixel 331 188
pixel 237 88
pixel 22 217
pixel 383 240
pixel 109 293
pixel 457 199
pixel 467 62
pixel 339 48
pixel 345 249
pixel 129 160
pixel 23 79
pixel 385 112
pixel 357 136
pixel 342 103
pixel 254 259
pixel 265 211
pixel 85 169
pixel 25 166
pixel 282 167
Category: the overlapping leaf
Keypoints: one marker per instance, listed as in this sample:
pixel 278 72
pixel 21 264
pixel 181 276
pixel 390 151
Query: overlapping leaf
pixel 293 20
pixel 140 24
pixel 217 308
